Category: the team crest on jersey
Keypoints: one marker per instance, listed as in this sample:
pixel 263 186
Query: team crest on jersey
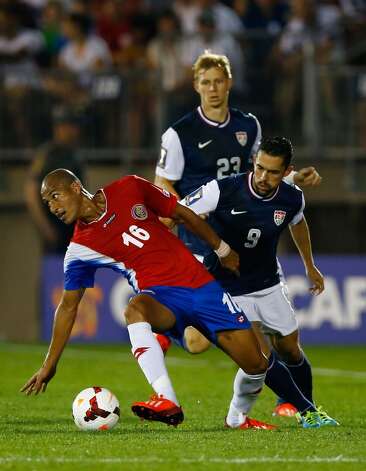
pixel 193 197
pixel 279 216
pixel 242 137
pixel 139 211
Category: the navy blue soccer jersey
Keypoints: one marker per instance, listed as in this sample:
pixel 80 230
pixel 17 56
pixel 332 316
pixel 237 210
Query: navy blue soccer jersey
pixel 196 150
pixel 250 224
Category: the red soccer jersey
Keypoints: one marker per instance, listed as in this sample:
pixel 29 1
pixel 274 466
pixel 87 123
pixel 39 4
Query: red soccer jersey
pixel 130 239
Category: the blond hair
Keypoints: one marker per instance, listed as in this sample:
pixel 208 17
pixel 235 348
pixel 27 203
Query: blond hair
pixel 208 59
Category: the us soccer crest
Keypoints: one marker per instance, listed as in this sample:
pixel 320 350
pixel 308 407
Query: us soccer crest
pixel 139 211
pixel 242 137
pixel 279 216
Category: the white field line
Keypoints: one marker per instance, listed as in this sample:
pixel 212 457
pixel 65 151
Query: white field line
pixel 200 459
pixel 190 361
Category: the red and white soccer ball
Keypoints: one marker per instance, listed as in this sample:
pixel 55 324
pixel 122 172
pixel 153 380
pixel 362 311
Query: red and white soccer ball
pixel 95 408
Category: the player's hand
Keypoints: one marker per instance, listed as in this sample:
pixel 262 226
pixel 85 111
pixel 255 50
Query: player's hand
pixel 231 262
pixel 38 382
pixel 169 223
pixel 316 279
pixel 307 176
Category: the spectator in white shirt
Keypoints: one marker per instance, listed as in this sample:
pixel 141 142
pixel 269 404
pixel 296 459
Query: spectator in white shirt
pixel 85 54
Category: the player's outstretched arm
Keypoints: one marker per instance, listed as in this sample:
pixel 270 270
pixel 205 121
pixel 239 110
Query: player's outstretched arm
pixel 228 258
pixel 307 176
pixel 63 322
pixel 301 236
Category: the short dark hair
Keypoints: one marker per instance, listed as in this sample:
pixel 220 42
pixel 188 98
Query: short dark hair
pixel 278 146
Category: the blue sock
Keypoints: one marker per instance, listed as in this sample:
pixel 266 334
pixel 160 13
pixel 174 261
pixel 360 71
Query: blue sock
pixel 279 379
pixel 302 375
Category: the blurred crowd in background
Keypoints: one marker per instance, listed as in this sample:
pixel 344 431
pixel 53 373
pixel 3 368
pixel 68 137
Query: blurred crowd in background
pixel 126 65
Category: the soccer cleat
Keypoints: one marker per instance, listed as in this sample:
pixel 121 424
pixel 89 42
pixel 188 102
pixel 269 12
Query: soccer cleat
pixel 160 409
pixel 310 419
pixel 253 423
pixel 325 419
pixel 285 409
pixel 164 342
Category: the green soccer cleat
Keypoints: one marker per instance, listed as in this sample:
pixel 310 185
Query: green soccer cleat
pixel 310 419
pixel 325 419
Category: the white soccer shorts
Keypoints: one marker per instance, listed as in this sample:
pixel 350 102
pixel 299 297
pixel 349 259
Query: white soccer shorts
pixel 272 308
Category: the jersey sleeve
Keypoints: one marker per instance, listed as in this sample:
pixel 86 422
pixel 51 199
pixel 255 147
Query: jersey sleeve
pixel 171 162
pixel 159 200
pixel 258 137
pixel 300 214
pixel 78 273
pixel 203 200
pixel 290 178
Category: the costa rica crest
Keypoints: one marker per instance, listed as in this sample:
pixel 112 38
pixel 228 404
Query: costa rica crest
pixel 138 211
pixel 242 137
pixel 279 216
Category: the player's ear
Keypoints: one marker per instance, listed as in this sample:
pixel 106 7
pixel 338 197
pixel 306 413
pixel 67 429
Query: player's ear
pixel 288 170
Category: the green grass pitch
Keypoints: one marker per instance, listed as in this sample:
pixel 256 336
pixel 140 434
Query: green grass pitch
pixel 38 433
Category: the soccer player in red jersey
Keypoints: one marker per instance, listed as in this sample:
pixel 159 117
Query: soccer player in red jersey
pixel 119 228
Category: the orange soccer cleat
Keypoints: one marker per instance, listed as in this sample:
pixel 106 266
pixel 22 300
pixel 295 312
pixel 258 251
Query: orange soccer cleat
pixel 160 409
pixel 285 409
pixel 253 423
pixel 164 342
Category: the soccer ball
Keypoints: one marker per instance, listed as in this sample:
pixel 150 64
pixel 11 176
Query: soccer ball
pixel 95 408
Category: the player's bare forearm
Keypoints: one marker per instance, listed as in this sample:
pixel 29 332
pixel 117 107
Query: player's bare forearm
pixel 196 225
pixel 301 236
pixel 228 258
pixel 64 320
pixel 168 185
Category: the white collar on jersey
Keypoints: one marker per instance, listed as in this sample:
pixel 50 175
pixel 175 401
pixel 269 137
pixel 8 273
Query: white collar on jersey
pixel 254 193
pixel 104 212
pixel 213 123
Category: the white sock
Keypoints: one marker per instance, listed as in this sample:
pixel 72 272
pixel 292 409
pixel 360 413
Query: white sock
pixel 147 351
pixel 246 390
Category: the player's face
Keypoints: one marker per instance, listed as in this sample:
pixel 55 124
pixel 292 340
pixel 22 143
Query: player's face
pixel 268 173
pixel 63 202
pixel 213 87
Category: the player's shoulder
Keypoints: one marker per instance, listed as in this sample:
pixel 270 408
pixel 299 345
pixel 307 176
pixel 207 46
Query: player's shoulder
pixel 291 191
pixel 124 181
pixel 181 130
pixel 186 121
pixel 231 184
pixel 249 118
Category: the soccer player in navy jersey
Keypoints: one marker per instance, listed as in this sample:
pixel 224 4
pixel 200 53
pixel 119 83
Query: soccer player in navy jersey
pixel 250 211
pixel 213 141
pixel 119 228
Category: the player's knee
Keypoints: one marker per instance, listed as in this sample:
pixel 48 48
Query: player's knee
pixel 194 341
pixel 134 313
pixel 291 355
pixel 257 365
